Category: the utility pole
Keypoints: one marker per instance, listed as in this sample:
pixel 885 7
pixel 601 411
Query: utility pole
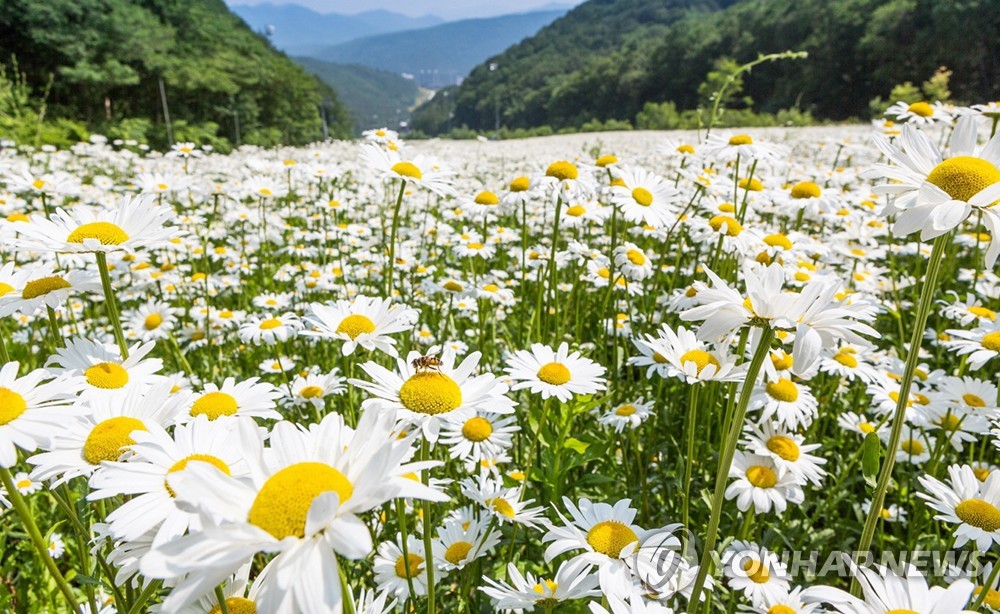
pixel 496 99
pixel 166 112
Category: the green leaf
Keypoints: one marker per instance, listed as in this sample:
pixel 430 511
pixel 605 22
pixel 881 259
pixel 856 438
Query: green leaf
pixel 576 445
pixel 870 453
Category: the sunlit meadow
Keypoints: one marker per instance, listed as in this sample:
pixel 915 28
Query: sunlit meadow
pixel 633 372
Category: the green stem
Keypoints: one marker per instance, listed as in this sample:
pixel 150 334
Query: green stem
pixel 112 306
pixel 21 507
pixel 726 462
pixel 427 524
pixel 689 457
pixel 985 589
pixel 392 239
pixel 223 606
pixel 898 418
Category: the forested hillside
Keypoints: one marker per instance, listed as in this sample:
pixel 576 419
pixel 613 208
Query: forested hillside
pixel 98 65
pixel 607 59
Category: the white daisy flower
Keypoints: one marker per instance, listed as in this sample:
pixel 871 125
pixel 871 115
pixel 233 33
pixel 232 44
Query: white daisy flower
pixel 363 322
pixel 967 502
pixel 99 367
pixel 30 408
pixel 270 330
pixel 105 431
pixel 302 504
pixel 756 572
pixel 761 485
pixel 483 435
pixel 429 397
pixel 395 572
pixel 249 397
pixel 883 591
pixel 151 505
pixel 527 592
pixel 558 373
pixel 136 222
pixel 607 536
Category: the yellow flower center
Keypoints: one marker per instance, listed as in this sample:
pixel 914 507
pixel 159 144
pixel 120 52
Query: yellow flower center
pixel 962 177
pixel 902 611
pixel 783 390
pixel 660 359
pixel 354 325
pixel 453 286
pixel 780 609
pixel 409 566
pixel 457 552
pixel 757 571
pixel 635 257
pixel 270 323
pixel 991 341
pixel 407 169
pixel 606 160
pixel 38 184
pixel 847 359
pixel 866 427
pixel 980 514
pixel 491 288
pixel 105 232
pixel 784 447
pixel 106 440
pixel 741 139
pixel 182 464
pixel 625 410
pixel 554 373
pixel 981 473
pixel 281 506
pixel 949 422
pixel 576 211
pixel 912 447
pixel 501 506
pixel 610 537
pixel 750 184
pixel 983 312
pixel 153 321
pixel 311 392
pixel 761 476
pixel 700 358
pixel 782 361
pixel 806 189
pixel 5 288
pixel 562 170
pixel 236 605
pixel 922 109
pixel 778 240
pixel 520 184
pixel 973 401
pixel 431 393
pixel 642 196
pixel 43 286
pixel 487 198
pixel 733 228
pixel 992 599
pixel 107 375
pixel 477 429
pixel 12 405
pixel 214 404
pixel 685 149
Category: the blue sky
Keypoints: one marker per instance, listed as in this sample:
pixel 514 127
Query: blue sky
pixel 448 9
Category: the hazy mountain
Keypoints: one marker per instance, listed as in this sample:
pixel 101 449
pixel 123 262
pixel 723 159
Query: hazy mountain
pixel 442 54
pixel 299 30
pixel 373 97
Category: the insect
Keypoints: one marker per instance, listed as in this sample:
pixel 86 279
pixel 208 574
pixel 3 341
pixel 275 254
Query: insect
pixel 426 363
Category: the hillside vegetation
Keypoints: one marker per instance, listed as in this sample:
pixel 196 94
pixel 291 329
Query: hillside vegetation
pixel 608 59
pixel 98 65
pixel 373 97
